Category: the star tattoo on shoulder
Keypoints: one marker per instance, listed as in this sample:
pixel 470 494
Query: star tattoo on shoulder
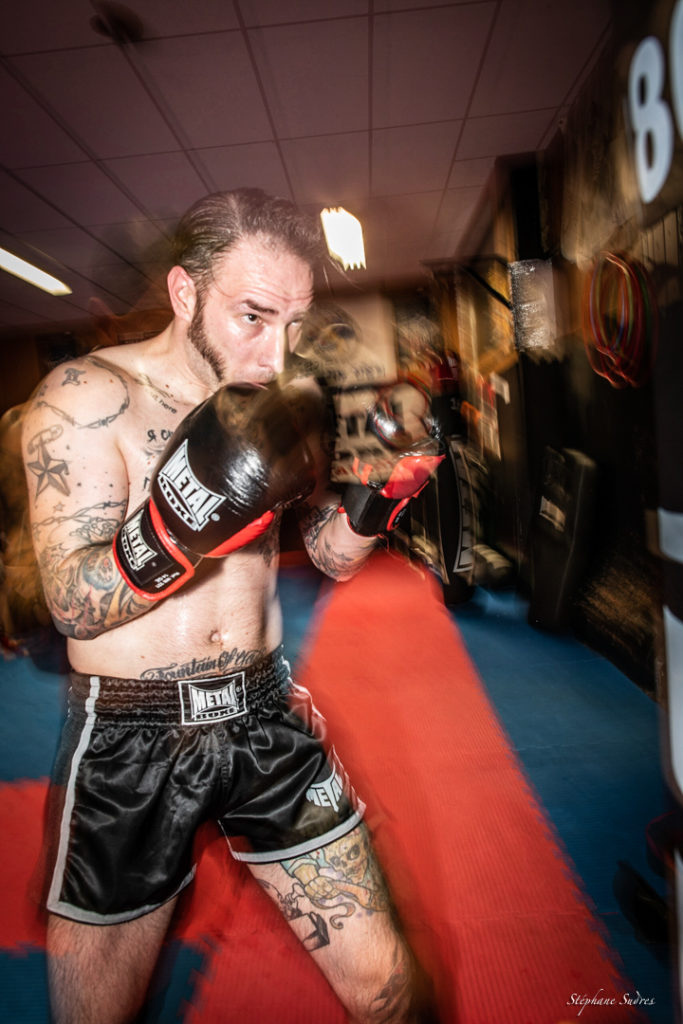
pixel 49 472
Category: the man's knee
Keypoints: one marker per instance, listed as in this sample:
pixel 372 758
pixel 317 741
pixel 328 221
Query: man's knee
pixel 400 992
pixel 382 986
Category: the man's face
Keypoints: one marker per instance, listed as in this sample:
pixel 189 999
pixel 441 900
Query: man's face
pixel 249 315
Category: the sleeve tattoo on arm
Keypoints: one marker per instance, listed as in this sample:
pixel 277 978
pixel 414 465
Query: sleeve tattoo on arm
pixel 83 586
pixel 323 555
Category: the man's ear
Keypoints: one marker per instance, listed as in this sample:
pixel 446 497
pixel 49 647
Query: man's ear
pixel 182 292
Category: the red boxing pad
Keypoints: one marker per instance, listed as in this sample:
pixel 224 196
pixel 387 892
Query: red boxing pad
pixel 409 476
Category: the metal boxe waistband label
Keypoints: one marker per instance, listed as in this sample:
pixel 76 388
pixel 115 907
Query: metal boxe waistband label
pixel 212 700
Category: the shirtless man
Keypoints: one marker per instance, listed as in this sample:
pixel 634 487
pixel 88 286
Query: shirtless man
pixel 178 677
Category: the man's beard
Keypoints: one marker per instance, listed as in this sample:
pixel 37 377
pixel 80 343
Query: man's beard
pixel 197 336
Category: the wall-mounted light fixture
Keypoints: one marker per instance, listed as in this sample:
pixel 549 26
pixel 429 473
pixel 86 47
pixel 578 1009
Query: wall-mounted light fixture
pixel 344 237
pixel 27 272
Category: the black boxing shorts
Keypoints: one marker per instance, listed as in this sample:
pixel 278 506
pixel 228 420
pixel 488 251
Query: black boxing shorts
pixel 142 764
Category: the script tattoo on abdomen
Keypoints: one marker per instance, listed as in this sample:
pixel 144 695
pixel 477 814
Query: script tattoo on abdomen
pixel 235 658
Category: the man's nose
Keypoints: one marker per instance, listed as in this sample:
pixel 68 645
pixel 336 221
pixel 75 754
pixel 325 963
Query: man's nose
pixel 274 349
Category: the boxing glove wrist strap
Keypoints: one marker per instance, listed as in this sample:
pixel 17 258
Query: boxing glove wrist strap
pixel 369 513
pixel 151 561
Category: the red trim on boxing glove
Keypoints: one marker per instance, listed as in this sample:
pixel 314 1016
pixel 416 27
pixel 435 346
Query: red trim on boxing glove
pixel 244 536
pixel 172 547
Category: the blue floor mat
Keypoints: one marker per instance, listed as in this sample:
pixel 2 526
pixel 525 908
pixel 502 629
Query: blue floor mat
pixel 589 741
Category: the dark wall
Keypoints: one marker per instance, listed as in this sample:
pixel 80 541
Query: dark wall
pixel 586 202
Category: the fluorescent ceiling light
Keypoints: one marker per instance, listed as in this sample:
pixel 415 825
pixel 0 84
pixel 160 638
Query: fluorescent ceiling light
pixel 27 272
pixel 344 237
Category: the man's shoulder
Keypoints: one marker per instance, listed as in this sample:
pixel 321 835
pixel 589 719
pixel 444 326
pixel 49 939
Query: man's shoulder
pixel 86 393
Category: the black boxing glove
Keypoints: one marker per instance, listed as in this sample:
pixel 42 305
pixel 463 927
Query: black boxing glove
pixel 233 462
pixel 411 451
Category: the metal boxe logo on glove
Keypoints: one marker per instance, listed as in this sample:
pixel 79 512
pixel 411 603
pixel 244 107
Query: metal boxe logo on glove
pixel 135 547
pixel 190 499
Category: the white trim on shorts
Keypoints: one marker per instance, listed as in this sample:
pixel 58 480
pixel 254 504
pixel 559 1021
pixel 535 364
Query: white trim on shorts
pixel 53 900
pixel 316 843
pixel 92 917
pixel 54 904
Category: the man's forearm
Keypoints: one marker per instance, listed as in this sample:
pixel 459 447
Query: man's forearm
pixel 332 545
pixel 85 592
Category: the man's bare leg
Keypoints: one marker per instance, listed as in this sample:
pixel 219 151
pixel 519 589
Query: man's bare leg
pixel 99 974
pixel 337 903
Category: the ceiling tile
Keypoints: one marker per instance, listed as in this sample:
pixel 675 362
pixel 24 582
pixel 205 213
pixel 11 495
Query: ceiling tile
pixel 315 75
pixel 135 241
pixel 470 173
pixel 40 304
pixel 506 133
pixel 398 220
pixel 29 135
pixel 82 191
pixel 15 316
pixel 404 261
pixel 22 210
pixel 328 169
pixel 156 293
pixel 71 247
pixel 382 6
pixel 277 12
pixel 34 25
pixel 207 88
pixel 111 120
pixel 412 159
pixel 425 62
pixel 124 281
pixel 165 183
pixel 535 53
pixel 177 17
pixel 257 166
pixel 455 214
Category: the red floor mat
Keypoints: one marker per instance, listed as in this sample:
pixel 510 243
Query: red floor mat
pixel 485 892
pixel 21 827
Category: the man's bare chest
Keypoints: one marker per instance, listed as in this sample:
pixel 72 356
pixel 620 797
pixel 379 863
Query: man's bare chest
pixel 145 432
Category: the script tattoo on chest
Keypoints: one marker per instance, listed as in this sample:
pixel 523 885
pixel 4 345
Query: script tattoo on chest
pixel 156 440
pixel 163 398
